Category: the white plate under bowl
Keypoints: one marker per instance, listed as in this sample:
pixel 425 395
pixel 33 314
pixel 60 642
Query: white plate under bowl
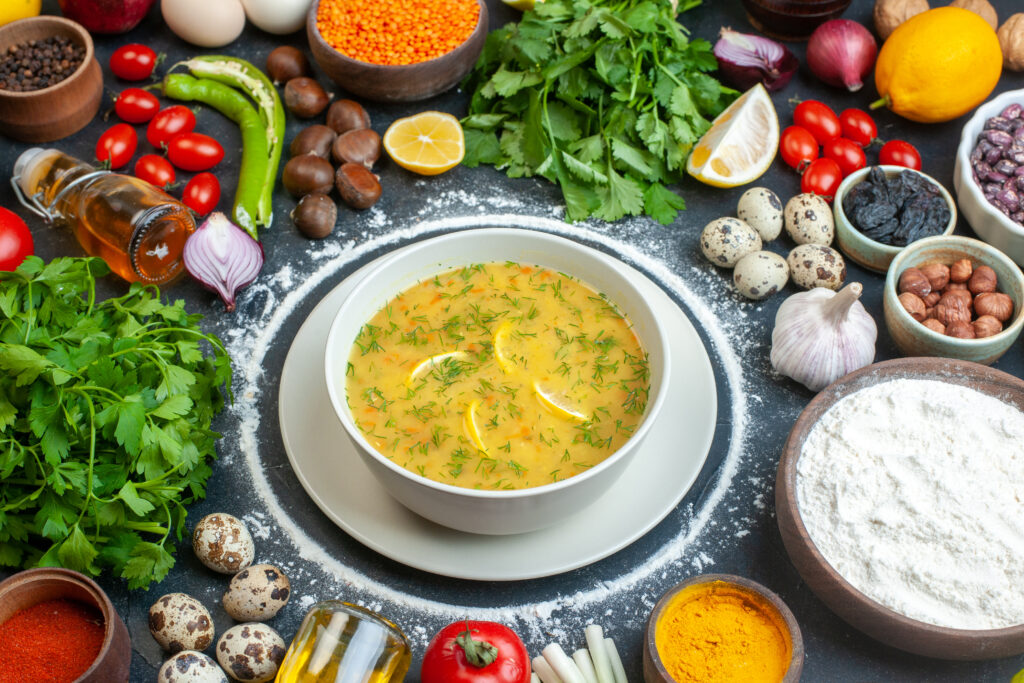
pixel 335 477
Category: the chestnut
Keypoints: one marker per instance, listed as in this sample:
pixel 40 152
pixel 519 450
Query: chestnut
pixel 358 187
pixel 360 146
pixel 306 174
pixel 304 97
pixel 315 215
pixel 285 63
pixel 346 115
pixel 316 139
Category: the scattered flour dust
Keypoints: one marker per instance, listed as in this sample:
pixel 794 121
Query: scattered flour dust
pixel 910 489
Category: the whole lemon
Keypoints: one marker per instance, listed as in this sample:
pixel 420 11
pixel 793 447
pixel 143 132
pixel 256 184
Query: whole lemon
pixel 18 9
pixel 938 65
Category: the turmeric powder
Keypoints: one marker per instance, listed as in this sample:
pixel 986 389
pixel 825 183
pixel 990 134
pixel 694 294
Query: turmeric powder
pixel 722 632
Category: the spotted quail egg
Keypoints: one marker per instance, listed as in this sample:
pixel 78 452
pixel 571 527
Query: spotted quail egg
pixel 809 220
pixel 760 274
pixel 257 593
pixel 222 543
pixel 189 666
pixel 251 652
pixel 180 622
pixel 815 265
pixel 725 241
pixel 761 209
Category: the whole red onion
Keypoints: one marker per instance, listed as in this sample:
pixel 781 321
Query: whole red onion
pixel 841 52
pixel 106 16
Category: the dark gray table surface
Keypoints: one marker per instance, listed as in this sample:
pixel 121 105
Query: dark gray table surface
pixel 725 523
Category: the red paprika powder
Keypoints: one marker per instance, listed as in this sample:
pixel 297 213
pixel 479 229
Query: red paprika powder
pixel 52 642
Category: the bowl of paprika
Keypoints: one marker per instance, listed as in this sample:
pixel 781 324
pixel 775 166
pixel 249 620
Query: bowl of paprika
pixel 58 625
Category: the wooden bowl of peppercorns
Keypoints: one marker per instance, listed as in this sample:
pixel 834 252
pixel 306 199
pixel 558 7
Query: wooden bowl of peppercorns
pixel 50 82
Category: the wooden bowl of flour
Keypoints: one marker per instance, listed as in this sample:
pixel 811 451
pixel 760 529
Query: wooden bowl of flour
pixel 839 594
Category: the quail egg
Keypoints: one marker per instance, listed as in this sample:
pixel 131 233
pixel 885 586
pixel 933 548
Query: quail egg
pixel 760 274
pixel 725 241
pixel 257 593
pixel 222 543
pixel 761 209
pixel 809 220
pixel 180 622
pixel 189 666
pixel 815 265
pixel 251 652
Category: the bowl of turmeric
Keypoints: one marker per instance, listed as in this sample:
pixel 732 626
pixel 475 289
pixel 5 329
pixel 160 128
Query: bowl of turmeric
pixel 720 627
pixel 396 50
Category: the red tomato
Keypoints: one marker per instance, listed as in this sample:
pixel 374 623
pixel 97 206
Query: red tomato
pixel 133 62
pixel 900 153
pixel 847 153
pixel 202 193
pixel 168 123
pixel 116 146
pixel 15 240
pixel 445 658
pixel 154 169
pixel 822 178
pixel 194 152
pixel 819 120
pixel 858 126
pixel 797 147
pixel 136 105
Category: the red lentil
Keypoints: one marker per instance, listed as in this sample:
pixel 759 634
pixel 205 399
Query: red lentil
pixel 396 32
pixel 52 642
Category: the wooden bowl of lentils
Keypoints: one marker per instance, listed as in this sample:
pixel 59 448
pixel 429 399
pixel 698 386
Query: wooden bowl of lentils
pixel 897 497
pixel 50 82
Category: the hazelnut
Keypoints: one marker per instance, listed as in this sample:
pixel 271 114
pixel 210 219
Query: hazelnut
pixel 951 311
pixel 932 298
pixel 889 14
pixel 980 7
pixel 960 329
pixel 995 304
pixel 986 326
pixel 913 280
pixel 929 312
pixel 937 274
pixel 1011 40
pixel 962 294
pixel 954 286
pixel 983 279
pixel 961 270
pixel 913 305
pixel 934 325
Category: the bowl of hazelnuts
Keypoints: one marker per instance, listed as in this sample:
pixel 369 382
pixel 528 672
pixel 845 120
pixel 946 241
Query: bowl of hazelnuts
pixel 954 297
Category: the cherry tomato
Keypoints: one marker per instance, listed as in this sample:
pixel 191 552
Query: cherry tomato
pixel 858 126
pixel 819 120
pixel 117 145
pixel 136 105
pixel 202 193
pixel 900 153
pixel 133 62
pixel 194 152
pixel 170 122
pixel 154 169
pixel 445 658
pixel 15 240
pixel 847 153
pixel 797 147
pixel 822 178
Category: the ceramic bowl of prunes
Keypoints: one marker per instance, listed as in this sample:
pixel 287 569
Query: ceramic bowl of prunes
pixel 879 210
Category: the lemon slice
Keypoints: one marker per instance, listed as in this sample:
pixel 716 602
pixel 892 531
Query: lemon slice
pixel 469 424
pixel 428 143
pixel 432 362
pixel 522 5
pixel 557 405
pixel 741 143
pixel 505 362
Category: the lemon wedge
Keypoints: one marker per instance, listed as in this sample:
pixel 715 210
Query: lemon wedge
pixel 469 424
pixel 741 143
pixel 501 355
pixel 557 405
pixel 427 143
pixel 430 363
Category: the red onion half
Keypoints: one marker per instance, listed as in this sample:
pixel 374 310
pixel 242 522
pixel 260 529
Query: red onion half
pixel 222 257
pixel 841 52
pixel 745 60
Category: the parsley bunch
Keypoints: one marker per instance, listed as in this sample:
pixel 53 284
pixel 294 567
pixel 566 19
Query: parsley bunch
pixel 105 412
pixel 603 97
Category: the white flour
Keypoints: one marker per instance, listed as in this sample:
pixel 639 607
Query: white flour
pixel 911 489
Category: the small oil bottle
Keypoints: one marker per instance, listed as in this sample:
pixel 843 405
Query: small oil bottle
pixel 139 230
pixel 339 642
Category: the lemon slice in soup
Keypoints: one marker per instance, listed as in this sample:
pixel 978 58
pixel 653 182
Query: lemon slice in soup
pixel 469 423
pixel 501 348
pixel 429 364
pixel 557 404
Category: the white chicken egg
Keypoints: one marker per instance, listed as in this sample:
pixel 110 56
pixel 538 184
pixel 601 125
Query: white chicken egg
pixel 760 274
pixel 206 23
pixel 190 666
pixel 277 16
pixel 251 652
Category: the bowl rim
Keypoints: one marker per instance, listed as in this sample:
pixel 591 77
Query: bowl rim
pixel 786 497
pixel 889 288
pixel 313 29
pixel 438 242
pixel 963 153
pixel 84 38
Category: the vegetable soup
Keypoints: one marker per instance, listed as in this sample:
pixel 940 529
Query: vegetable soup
pixel 498 376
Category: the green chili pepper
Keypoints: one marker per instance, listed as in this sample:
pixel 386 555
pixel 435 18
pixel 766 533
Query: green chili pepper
pixel 243 75
pixel 255 157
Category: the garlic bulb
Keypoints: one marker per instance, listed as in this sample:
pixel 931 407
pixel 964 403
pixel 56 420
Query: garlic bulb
pixel 821 335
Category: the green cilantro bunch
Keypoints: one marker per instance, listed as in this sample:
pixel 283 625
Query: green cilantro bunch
pixel 603 97
pixel 105 412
